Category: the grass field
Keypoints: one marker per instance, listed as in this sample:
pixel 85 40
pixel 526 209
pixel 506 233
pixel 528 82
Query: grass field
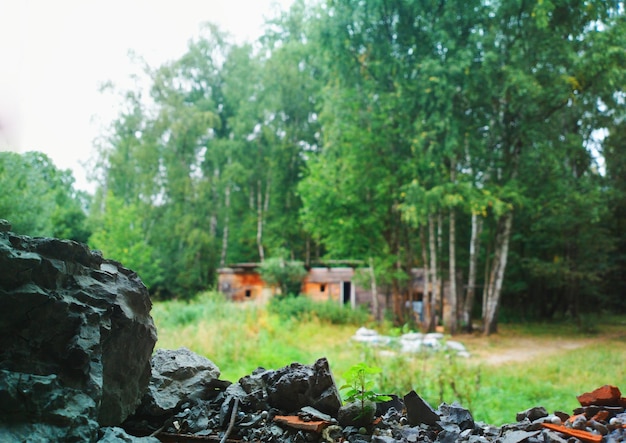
pixel 520 367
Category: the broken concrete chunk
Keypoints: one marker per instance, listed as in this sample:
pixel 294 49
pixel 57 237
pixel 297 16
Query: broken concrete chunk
pixel 419 411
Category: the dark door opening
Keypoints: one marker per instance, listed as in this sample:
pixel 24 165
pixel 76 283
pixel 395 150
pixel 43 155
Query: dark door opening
pixel 346 289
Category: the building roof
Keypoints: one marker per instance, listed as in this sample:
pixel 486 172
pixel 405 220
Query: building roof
pixel 329 275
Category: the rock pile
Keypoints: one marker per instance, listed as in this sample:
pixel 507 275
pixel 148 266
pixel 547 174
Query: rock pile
pixel 300 404
pixel 411 342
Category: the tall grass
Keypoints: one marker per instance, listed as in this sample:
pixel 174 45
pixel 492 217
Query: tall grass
pixel 238 338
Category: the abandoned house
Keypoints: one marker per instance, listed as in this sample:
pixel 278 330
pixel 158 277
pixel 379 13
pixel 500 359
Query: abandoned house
pixel 242 282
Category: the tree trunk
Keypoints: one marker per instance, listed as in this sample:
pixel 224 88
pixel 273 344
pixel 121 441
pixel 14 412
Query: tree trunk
pixel 483 312
pixel 440 264
pixel 426 297
pixel 477 224
pixel 226 225
pixel 259 222
pixel 432 321
pixel 453 296
pixel 375 307
pixel 496 277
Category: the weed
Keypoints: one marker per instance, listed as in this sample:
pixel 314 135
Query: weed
pixel 359 384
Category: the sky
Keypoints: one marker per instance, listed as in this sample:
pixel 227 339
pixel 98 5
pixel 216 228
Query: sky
pixel 54 55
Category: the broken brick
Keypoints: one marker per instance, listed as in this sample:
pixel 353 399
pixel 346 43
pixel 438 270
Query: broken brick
pixel 295 422
pixel 607 395
pixel 584 436
pixel 601 416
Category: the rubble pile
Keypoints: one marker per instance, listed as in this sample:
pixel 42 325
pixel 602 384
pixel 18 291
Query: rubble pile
pixel 299 404
pixel 410 342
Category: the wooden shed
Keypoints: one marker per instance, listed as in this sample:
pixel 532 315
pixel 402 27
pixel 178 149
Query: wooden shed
pixel 336 284
pixel 242 282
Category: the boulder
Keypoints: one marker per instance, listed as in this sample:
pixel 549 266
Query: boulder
pixel 289 389
pixel 76 338
pixel 294 386
pixel 177 376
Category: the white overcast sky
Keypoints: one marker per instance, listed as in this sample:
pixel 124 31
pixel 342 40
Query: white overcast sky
pixel 55 54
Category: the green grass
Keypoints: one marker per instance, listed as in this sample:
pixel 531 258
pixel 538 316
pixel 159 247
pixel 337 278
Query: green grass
pixel 238 338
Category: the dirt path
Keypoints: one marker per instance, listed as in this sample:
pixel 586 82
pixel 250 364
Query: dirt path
pixel 528 349
pixel 498 351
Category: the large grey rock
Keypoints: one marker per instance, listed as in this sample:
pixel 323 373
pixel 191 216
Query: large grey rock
pixel 119 435
pixel 418 411
pixel 357 414
pixel 75 340
pixel 289 388
pixel 177 376
pixel 294 386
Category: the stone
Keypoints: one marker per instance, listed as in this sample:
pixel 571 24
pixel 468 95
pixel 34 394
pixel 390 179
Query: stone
pixel 5 226
pixel 419 411
pixel 456 346
pixel 457 415
pixel 518 436
pixel 76 338
pixel 357 414
pixel 532 414
pixel 384 406
pixel 177 376
pixel 606 395
pixel 296 385
pixel 119 435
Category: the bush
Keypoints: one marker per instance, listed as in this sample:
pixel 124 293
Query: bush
pixel 303 308
pixel 286 274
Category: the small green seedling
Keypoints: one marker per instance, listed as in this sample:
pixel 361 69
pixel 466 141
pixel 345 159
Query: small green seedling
pixel 359 384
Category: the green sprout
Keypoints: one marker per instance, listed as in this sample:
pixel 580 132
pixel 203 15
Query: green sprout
pixel 359 384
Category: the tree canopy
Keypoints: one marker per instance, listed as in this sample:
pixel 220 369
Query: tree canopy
pixel 479 140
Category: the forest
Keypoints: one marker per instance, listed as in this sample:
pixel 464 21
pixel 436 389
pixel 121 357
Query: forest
pixel 473 138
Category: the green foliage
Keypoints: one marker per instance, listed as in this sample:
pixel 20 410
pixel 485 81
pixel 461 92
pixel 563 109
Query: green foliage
pixel 359 385
pixel 302 308
pixel 120 237
pixel 39 200
pixel 349 124
pixel 284 273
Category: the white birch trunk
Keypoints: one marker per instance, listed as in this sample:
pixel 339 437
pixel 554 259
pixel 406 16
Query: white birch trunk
pixel 433 272
pixel 494 289
pixel 470 294
pixel 375 307
pixel 259 222
pixel 453 296
pixel 224 253
pixel 426 312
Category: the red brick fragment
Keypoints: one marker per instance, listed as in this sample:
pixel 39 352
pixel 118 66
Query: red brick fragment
pixel 295 422
pixel 573 418
pixel 601 416
pixel 607 395
pixel 585 436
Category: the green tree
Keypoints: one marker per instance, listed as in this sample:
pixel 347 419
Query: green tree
pixel 120 237
pixel 39 199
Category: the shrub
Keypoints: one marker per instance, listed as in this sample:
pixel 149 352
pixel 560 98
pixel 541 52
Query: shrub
pixel 286 274
pixel 303 308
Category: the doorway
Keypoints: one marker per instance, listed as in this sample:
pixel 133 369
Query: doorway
pixel 346 292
